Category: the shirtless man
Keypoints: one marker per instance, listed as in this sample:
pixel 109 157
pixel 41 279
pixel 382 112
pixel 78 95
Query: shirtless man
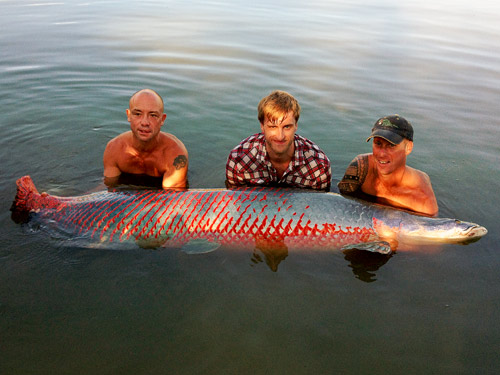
pixel 145 150
pixel 384 174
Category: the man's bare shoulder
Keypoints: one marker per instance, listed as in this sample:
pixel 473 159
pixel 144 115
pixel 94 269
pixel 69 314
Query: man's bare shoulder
pixel 171 140
pixel 120 140
pixel 172 146
pixel 417 179
pixel 421 192
pixel 114 154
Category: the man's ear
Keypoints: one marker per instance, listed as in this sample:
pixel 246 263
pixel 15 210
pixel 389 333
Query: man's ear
pixel 408 147
pixel 262 127
pixel 128 114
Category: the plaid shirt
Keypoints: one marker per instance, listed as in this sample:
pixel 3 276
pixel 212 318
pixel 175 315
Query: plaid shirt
pixel 249 164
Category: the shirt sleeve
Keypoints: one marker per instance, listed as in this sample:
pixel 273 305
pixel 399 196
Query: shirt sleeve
pixel 324 173
pixel 326 177
pixel 233 176
pixel 314 166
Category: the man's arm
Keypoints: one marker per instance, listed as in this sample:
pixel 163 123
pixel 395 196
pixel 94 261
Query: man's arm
pixel 354 175
pixel 176 175
pixel 324 180
pixel 111 170
pixel 233 177
pixel 423 199
pixel 431 204
pixel 320 170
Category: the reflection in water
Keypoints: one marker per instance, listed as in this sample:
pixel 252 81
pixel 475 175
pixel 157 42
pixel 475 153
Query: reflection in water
pixel 19 216
pixel 274 250
pixel 365 263
pixel 127 181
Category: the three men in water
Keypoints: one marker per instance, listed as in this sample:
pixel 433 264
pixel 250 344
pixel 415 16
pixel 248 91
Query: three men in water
pixel 275 157
pixel 278 156
pixel 144 149
pixel 384 174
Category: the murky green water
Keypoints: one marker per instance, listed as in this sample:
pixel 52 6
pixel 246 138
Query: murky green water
pixel 67 69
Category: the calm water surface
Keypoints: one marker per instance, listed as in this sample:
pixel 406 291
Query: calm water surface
pixel 67 69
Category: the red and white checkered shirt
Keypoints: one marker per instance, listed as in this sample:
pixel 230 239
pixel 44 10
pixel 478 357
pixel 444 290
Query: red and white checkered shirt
pixel 249 164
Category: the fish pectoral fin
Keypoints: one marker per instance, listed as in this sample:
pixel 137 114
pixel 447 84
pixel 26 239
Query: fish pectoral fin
pixel 199 246
pixel 382 247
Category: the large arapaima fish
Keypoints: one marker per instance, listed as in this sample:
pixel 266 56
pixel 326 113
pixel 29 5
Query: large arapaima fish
pixel 200 220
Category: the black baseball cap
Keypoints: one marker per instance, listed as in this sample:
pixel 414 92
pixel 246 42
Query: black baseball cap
pixel 393 129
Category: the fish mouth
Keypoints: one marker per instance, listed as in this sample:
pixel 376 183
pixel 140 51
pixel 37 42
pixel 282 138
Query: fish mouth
pixel 470 234
pixel 476 230
pixel 474 233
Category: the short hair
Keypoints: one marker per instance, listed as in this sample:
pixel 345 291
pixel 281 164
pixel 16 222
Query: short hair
pixel 276 105
pixel 150 91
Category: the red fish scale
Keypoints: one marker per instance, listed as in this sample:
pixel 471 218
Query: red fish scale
pixel 99 209
pixel 143 215
pixel 122 221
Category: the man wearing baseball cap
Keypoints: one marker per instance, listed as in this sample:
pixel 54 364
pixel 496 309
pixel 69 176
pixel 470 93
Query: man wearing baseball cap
pixel 383 174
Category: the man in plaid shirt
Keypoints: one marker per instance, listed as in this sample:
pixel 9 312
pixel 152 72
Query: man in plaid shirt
pixel 278 156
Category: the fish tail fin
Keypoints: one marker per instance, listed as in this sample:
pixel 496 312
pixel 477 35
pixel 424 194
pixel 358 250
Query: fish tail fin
pixel 23 201
pixel 29 199
pixel 25 195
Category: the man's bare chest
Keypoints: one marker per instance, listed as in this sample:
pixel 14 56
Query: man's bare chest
pixel 149 164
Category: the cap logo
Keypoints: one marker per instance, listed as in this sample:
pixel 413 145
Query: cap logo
pixel 386 123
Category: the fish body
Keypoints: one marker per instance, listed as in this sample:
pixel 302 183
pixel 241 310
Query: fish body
pixel 200 220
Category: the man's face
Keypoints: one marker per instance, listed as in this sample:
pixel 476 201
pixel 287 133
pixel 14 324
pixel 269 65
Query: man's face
pixel 389 157
pixel 146 116
pixel 279 135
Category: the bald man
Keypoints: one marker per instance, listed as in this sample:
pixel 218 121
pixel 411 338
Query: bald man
pixel 145 150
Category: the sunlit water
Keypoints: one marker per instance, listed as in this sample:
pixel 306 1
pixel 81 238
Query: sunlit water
pixel 67 69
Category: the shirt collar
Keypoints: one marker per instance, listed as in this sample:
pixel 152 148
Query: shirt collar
pixel 297 157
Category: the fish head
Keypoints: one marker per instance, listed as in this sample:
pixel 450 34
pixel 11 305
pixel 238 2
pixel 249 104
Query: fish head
pixel 441 230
